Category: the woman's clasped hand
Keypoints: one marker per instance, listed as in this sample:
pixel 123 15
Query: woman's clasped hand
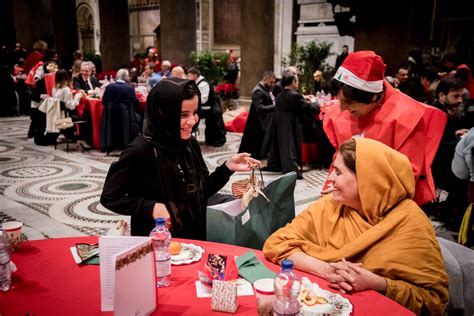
pixel 347 276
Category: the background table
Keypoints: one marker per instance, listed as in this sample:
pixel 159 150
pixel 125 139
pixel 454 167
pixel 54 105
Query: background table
pixel 96 108
pixel 49 282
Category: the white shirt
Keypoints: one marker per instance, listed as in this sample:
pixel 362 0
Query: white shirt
pixel 204 89
pixel 65 95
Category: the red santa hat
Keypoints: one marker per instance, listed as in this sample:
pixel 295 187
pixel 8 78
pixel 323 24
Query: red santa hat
pixel 362 70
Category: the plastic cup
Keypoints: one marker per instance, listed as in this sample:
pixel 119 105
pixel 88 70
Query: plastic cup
pixel 13 231
pixel 265 296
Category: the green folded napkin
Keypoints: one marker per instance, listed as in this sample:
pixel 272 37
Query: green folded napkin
pixel 88 253
pixel 252 269
pixel 92 260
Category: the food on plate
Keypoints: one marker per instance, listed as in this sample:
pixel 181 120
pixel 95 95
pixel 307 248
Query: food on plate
pixel 175 248
pixel 307 298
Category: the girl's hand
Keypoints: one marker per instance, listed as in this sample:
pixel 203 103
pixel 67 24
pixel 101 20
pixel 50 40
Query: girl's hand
pixel 159 210
pixel 241 162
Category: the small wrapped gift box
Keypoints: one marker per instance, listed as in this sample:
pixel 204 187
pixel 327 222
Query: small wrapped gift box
pixel 224 296
pixel 217 267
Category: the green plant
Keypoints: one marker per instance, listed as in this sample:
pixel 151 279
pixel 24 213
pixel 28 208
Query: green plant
pixel 212 65
pixel 308 59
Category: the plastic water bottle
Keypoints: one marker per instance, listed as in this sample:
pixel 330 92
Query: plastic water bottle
pixel 161 240
pixel 5 270
pixel 287 287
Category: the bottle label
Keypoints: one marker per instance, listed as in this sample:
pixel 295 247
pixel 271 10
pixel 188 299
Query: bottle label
pixel 163 268
pixel 4 271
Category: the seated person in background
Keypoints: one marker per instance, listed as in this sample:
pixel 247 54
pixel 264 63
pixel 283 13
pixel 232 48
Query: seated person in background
pixel 320 83
pixel 284 136
pixel 178 72
pixel 404 83
pixel 163 173
pixel 85 81
pixel 429 80
pixel 462 162
pixel 76 68
pixel 120 121
pixel 462 167
pixel 62 92
pixel 449 100
pixel 149 76
pixel 165 72
pixel 369 234
pixel 133 76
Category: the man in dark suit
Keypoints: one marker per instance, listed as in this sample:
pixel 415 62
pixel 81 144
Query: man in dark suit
pixel 261 109
pixel 284 135
pixel 85 81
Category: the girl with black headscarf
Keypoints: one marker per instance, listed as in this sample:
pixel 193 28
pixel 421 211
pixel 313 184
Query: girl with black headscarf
pixel 163 173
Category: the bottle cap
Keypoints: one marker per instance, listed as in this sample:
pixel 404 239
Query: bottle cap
pixel 160 221
pixel 287 264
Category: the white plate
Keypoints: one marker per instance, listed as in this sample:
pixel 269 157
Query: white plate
pixel 189 253
pixel 337 304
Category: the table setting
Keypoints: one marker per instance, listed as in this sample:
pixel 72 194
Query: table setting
pixel 42 263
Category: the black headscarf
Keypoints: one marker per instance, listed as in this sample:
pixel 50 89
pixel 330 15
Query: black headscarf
pixel 163 114
pixel 179 162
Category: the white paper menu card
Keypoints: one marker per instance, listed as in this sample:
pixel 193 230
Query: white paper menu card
pixel 110 247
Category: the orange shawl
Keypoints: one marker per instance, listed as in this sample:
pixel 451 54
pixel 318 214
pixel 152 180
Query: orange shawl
pixel 391 236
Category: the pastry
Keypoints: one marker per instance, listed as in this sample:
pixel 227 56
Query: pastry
pixel 175 248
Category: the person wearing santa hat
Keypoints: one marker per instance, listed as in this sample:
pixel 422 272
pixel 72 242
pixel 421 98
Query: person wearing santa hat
pixel 370 107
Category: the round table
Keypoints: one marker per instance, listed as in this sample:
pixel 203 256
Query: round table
pixel 96 108
pixel 49 282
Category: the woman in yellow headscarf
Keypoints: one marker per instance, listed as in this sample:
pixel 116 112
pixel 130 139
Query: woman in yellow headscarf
pixel 369 234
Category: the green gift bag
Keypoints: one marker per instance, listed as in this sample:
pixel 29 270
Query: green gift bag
pixel 228 223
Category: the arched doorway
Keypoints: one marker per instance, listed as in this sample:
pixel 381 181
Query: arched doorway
pixel 85 27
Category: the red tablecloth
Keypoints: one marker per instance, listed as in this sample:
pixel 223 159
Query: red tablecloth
pixel 237 125
pixel 49 282
pixel 95 107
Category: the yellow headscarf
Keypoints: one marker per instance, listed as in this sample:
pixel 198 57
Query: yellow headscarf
pixel 390 236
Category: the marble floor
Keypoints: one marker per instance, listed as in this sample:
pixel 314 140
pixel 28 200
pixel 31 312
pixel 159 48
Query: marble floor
pixel 56 194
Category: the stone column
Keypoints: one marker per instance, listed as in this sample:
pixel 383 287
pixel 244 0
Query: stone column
pixel 283 33
pixel 257 42
pixel 177 30
pixel 64 24
pixel 115 33
pixel 53 21
pixel 7 24
pixel 28 23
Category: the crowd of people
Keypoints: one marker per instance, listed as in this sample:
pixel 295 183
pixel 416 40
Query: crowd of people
pixel 401 152
pixel 369 106
pixel 39 75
